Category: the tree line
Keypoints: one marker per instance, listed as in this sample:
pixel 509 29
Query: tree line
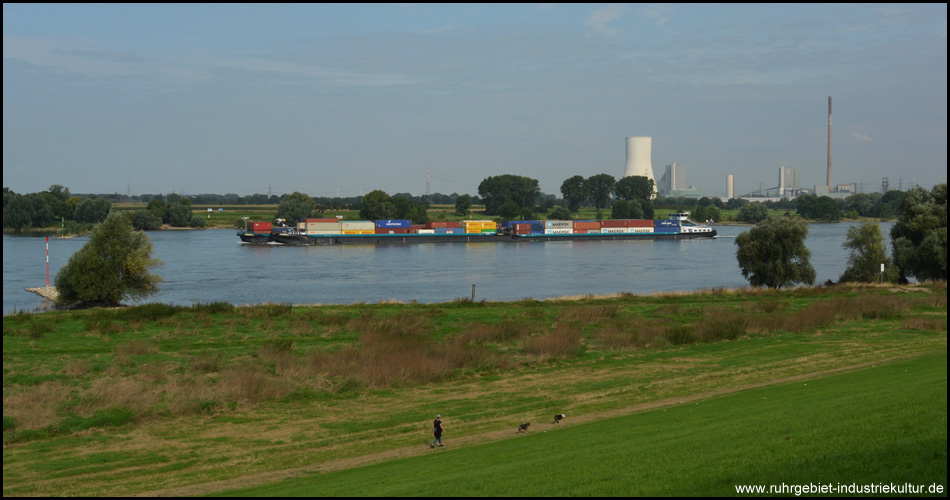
pixel 773 253
pixel 117 262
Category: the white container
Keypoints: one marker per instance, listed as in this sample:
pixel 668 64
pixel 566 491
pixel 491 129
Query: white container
pixel 553 224
pixel 614 230
pixel 559 231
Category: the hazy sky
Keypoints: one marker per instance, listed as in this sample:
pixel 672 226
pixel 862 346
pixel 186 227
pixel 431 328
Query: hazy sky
pixel 343 99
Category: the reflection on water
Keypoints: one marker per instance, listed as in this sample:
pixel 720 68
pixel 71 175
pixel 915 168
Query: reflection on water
pixel 212 265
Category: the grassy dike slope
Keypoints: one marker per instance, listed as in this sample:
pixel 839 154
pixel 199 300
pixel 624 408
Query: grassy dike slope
pixel 876 426
pixel 161 400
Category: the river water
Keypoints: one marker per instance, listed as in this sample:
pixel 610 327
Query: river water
pixel 212 265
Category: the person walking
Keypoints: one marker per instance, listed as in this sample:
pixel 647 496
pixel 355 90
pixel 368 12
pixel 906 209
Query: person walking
pixel 437 431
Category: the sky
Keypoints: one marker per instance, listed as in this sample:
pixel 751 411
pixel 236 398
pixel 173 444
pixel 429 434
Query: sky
pixel 342 99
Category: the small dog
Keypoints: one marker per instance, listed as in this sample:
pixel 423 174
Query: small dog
pixel 524 427
pixel 558 418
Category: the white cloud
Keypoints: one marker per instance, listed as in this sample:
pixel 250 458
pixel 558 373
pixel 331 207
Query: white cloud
pixel 861 137
pixel 600 18
pixel 660 12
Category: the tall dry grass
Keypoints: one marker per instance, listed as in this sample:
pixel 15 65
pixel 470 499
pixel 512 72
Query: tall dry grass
pixel 563 341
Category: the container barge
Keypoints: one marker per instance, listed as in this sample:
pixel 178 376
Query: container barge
pixel 397 232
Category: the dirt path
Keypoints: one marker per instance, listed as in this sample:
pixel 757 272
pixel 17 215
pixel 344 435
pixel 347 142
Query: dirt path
pixel 476 439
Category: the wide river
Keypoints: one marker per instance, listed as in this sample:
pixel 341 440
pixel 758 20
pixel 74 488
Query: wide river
pixel 212 265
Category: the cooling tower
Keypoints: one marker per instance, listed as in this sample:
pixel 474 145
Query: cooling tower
pixel 639 161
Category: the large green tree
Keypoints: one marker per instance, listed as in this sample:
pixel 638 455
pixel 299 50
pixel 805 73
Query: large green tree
pixel 773 253
pixel 865 243
pixel 920 234
pixel 116 263
pixel 295 206
pixel 463 204
pixel 815 207
pixel 377 205
pixel 754 212
pixel 575 192
pixel 627 209
pixel 600 187
pixel 92 210
pixel 634 187
pixel 500 189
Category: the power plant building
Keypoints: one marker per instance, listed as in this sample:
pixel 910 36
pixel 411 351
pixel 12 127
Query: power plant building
pixel 673 183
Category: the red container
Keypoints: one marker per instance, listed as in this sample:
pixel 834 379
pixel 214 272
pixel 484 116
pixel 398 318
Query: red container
pixel 639 223
pixel 586 225
pixel 259 227
pixel 614 223
pixel 453 224
pixel 392 230
pixel 436 225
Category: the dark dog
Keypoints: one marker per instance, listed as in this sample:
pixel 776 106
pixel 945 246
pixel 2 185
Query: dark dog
pixel 558 418
pixel 524 427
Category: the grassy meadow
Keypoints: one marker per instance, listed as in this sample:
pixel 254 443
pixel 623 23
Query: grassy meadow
pixel 885 424
pixel 168 400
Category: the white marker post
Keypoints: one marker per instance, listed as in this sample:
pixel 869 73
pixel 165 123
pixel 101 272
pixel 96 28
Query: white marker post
pixel 47 261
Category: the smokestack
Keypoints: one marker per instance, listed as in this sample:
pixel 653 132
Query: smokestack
pixel 830 184
pixel 730 187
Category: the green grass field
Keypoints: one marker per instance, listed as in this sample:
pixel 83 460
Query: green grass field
pixel 170 400
pixel 880 425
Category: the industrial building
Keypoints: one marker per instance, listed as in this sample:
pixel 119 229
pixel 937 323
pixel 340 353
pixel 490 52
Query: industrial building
pixel 673 183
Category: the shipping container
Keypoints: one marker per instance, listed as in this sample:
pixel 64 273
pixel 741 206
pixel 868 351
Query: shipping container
pixel 328 219
pixel 564 230
pixel 640 229
pixel 319 232
pixel 436 225
pixel 640 223
pixel 324 226
pixel 666 229
pixel 424 231
pixel 392 230
pixel 554 224
pixel 666 223
pixel 614 223
pixel 614 230
pixel 258 227
pixel 358 225
pixel 394 223
pixel 586 225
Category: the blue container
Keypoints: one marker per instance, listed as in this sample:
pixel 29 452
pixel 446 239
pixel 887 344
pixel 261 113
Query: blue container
pixel 666 229
pixel 666 223
pixel 391 223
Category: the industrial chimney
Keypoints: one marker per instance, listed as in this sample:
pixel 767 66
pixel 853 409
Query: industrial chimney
pixel 830 184
pixel 639 160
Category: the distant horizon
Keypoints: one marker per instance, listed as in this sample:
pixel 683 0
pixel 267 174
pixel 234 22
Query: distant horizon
pixel 342 99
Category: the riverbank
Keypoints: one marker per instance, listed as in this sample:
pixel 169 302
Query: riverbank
pixel 173 392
